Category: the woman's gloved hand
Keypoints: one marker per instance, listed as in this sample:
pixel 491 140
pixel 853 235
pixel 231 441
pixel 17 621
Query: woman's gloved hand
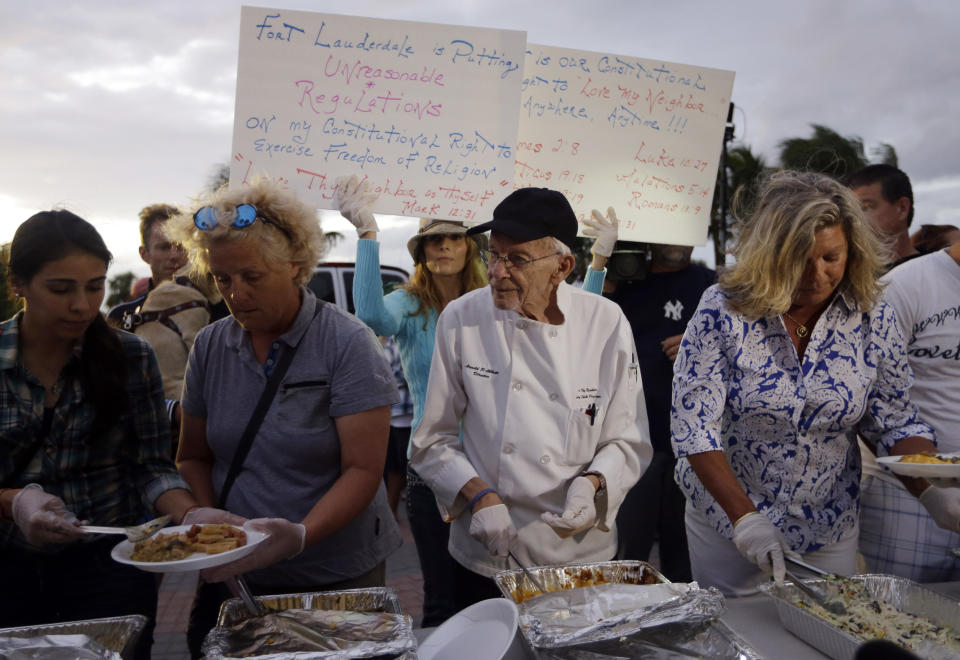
pixel 285 540
pixel 760 541
pixel 604 231
pixel 493 527
pixel 43 518
pixel 943 505
pixel 355 201
pixel 579 511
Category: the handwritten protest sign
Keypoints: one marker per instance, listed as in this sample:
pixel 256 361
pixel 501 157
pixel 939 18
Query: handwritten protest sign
pixel 427 113
pixel 642 136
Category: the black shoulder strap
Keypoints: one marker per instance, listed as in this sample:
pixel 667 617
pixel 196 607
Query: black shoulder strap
pixel 250 432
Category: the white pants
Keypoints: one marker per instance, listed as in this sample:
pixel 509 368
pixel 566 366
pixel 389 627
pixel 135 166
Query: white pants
pixel 716 562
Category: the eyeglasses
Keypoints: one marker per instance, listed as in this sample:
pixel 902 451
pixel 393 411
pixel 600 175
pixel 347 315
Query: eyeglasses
pixel 438 239
pixel 510 261
pixel 206 218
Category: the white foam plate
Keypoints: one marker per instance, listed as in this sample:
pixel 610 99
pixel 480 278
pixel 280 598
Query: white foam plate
pixel 195 562
pixel 483 631
pixel 925 470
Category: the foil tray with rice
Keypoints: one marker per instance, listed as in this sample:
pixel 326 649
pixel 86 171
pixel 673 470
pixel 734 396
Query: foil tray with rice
pixel 354 623
pixel 618 609
pixel 877 606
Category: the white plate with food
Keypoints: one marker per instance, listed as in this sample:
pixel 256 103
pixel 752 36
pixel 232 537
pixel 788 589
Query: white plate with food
pixel 189 548
pixel 945 465
pixel 483 631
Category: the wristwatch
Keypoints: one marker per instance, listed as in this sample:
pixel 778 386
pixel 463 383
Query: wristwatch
pixel 599 475
pixel 599 498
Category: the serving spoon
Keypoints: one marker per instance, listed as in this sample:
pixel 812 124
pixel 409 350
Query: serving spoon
pixel 134 533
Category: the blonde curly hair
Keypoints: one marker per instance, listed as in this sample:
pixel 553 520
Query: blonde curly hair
pixel 772 245
pixel 287 230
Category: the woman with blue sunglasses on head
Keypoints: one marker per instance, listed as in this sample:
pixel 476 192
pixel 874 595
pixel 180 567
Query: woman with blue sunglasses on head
pixel 447 264
pixel 312 473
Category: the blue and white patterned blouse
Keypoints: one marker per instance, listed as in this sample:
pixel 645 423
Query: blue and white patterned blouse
pixel 788 428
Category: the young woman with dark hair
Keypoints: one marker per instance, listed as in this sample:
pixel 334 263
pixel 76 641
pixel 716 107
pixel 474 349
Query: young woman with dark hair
pixel 83 434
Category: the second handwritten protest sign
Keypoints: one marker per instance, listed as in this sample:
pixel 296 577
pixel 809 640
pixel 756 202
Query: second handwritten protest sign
pixel 427 113
pixel 642 136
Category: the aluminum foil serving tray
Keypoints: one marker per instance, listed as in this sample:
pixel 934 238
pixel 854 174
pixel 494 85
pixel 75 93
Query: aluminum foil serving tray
pixel 514 584
pixel 118 634
pixel 905 595
pixel 710 638
pixel 378 599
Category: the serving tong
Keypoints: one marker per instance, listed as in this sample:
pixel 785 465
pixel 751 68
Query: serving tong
pixel 829 604
pixel 527 572
pixel 135 533
pixel 239 587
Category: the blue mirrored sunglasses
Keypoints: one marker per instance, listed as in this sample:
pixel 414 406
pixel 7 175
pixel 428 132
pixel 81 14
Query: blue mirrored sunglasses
pixel 245 215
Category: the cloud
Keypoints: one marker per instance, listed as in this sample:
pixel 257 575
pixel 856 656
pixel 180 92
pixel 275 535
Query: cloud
pixel 108 105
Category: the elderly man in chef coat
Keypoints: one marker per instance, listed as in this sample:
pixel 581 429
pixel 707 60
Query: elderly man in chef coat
pixel 535 425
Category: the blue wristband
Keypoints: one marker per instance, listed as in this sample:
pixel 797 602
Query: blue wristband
pixel 476 498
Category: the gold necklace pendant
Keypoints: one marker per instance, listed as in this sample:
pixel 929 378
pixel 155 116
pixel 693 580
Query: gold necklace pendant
pixel 801 330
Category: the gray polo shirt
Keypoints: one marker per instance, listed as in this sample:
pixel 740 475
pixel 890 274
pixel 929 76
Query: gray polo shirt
pixel 339 369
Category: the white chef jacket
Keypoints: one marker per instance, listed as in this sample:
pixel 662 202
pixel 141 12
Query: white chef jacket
pixel 521 391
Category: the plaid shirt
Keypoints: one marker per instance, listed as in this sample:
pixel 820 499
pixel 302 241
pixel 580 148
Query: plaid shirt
pixel 106 482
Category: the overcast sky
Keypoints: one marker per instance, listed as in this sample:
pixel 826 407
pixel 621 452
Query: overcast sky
pixel 108 106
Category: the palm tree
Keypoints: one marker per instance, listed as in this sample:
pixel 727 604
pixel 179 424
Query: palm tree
pixel 119 286
pixel 827 152
pixel 744 169
pixel 884 153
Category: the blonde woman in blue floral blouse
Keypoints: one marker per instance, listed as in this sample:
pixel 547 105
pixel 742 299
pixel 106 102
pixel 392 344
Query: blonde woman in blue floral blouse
pixel 783 363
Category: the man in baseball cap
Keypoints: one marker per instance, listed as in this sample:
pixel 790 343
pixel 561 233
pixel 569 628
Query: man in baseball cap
pixel 534 426
pixel 531 213
pixel 531 237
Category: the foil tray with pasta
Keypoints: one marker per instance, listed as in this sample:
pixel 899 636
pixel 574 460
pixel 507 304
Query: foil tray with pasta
pixel 876 606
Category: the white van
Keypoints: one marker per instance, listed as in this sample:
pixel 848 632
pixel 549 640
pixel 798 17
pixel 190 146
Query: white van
pixel 332 281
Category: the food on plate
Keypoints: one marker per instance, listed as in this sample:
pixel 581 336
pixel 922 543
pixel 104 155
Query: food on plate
pixel 868 618
pixel 930 459
pixel 211 539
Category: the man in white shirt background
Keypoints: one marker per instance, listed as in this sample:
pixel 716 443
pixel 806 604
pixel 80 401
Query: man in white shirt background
pixel 535 425
pixel 897 534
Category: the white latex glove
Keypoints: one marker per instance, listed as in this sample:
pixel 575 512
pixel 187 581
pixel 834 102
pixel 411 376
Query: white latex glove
pixel 493 528
pixel 604 230
pixel 579 511
pixel 354 200
pixel 286 539
pixel 943 505
pixel 760 541
pixel 206 514
pixel 944 482
pixel 43 518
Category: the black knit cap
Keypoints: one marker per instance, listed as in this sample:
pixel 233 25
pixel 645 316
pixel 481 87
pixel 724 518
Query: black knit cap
pixel 531 213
